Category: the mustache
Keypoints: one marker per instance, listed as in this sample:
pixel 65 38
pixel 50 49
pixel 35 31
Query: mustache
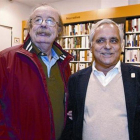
pixel 43 31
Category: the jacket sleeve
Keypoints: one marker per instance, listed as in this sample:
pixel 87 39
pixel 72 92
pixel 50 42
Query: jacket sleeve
pixel 67 133
pixel 3 81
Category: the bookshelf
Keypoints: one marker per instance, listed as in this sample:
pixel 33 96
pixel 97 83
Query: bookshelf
pixel 75 40
pixel 121 15
pixel 132 41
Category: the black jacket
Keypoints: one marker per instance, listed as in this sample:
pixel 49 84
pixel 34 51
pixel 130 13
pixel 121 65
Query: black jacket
pixel 77 92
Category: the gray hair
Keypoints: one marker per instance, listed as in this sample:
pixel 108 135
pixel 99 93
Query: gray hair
pixel 101 22
pixel 60 23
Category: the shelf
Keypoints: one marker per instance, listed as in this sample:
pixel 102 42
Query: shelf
pixel 138 32
pixel 74 36
pixel 132 47
pixel 80 61
pixel 136 63
pixel 116 12
pixel 76 49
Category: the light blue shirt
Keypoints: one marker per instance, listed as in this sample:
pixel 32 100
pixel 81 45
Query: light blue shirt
pixel 105 79
pixel 48 63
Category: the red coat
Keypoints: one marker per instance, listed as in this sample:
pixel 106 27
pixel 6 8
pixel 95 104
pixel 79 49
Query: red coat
pixel 25 108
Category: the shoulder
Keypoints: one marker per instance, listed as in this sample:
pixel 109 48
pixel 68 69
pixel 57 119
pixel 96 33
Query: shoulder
pixel 130 67
pixel 10 51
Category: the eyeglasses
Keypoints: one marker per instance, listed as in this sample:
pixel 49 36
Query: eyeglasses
pixel 49 21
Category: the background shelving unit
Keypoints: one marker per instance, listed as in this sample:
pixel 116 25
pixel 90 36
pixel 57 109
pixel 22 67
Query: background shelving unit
pixel 132 41
pixel 75 40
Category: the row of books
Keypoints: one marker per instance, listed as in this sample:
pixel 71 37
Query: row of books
pixel 132 40
pixel 82 56
pixel 74 42
pixel 78 66
pixel 132 55
pixel 133 25
pixel 78 29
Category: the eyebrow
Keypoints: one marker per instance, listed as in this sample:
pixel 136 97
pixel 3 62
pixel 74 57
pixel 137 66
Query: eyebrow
pixel 109 37
pixel 114 38
pixel 42 17
pixel 100 38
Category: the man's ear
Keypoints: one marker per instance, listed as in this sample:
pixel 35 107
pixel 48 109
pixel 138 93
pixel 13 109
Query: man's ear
pixel 59 30
pixel 90 46
pixel 122 45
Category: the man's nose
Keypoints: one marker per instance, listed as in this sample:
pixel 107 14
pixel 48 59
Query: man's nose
pixel 108 44
pixel 44 23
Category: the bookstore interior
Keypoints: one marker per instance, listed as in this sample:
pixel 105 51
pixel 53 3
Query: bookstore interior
pixel 77 27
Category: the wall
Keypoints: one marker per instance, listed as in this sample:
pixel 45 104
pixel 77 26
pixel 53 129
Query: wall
pixel 73 6
pixel 113 3
pixel 12 14
pixel 133 2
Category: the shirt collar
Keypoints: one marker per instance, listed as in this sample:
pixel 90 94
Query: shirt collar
pixel 117 66
pixel 39 52
pixel 31 47
pixel 54 54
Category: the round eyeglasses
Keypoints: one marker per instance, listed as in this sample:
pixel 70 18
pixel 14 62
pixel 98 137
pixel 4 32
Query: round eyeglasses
pixel 49 21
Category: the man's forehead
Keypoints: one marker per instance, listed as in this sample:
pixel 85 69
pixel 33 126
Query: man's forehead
pixel 44 9
pixel 108 25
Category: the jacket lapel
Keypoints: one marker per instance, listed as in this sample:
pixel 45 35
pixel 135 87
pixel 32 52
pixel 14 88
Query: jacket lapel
pixel 82 84
pixel 129 82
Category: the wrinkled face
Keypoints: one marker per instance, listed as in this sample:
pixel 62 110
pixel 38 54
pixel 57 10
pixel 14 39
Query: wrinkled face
pixel 44 33
pixel 106 47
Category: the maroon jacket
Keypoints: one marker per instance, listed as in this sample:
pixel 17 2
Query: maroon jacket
pixel 25 107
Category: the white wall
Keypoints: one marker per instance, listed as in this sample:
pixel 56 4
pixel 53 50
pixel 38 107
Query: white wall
pixel 113 3
pixel 73 6
pixel 133 1
pixel 12 14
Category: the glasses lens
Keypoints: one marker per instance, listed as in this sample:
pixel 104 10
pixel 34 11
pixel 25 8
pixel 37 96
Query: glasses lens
pixel 50 22
pixel 38 20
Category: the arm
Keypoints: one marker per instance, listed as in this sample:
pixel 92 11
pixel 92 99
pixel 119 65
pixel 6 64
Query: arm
pixel 3 82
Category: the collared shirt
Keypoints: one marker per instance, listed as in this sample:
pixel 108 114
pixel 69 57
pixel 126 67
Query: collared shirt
pixel 48 63
pixel 105 79
pixel 45 59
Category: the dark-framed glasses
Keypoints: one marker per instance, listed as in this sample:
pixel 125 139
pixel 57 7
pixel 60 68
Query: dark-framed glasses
pixel 49 21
